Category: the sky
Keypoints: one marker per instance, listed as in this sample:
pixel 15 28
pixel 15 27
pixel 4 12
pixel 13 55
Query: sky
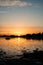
pixel 21 13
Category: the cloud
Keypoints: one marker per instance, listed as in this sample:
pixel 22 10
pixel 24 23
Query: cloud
pixel 14 3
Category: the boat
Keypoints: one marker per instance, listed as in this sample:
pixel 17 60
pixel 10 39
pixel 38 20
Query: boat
pixel 7 38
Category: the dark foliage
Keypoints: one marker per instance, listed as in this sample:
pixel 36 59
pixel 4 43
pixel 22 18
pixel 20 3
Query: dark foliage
pixel 28 58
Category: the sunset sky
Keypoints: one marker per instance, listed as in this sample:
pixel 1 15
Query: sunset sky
pixel 21 16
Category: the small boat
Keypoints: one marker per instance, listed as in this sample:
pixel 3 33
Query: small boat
pixel 7 38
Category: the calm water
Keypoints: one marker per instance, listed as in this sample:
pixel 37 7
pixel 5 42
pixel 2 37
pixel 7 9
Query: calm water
pixel 17 45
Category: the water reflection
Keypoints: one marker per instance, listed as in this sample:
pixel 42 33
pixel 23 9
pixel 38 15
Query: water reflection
pixel 15 46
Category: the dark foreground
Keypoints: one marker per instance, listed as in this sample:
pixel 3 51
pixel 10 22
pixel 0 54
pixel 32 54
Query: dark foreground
pixel 28 58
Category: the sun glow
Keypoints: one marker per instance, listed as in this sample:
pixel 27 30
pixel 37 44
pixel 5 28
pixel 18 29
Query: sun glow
pixel 18 33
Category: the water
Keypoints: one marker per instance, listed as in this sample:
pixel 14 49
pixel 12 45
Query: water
pixel 15 46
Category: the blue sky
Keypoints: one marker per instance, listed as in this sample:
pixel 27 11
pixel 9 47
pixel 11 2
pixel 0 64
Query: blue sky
pixel 21 13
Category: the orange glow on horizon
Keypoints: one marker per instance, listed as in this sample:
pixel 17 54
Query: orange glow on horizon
pixel 20 30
